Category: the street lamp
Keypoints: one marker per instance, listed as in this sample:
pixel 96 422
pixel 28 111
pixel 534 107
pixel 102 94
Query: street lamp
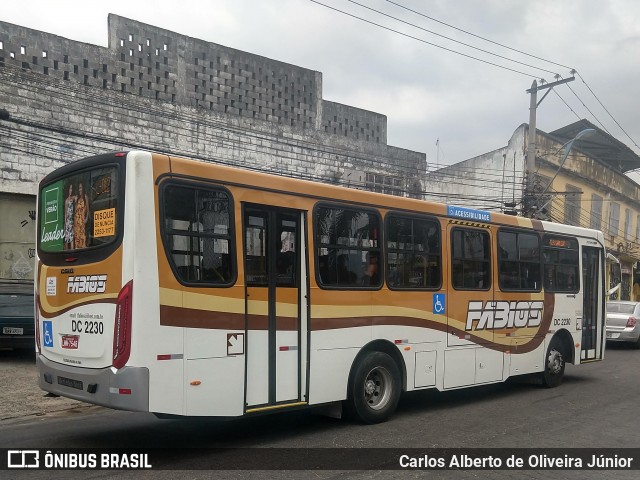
pixel 569 145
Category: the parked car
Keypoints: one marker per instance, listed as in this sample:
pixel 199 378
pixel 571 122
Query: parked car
pixel 623 322
pixel 17 324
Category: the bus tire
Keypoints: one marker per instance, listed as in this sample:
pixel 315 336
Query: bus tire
pixel 374 388
pixel 554 363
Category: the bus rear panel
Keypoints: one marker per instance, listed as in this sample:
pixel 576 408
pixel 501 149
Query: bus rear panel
pixel 84 285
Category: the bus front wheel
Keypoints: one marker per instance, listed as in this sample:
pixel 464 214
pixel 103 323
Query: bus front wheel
pixel 554 363
pixel 374 389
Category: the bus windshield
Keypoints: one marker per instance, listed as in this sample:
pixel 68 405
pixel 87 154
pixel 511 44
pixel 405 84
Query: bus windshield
pixel 79 211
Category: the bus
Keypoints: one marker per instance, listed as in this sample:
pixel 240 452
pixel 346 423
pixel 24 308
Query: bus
pixel 189 288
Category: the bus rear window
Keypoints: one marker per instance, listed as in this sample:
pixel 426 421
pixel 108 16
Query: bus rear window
pixel 79 211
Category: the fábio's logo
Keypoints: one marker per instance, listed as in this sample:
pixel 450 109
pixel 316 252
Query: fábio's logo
pixel 494 315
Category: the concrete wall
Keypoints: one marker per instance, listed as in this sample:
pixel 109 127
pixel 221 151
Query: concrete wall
pixel 17 231
pixel 152 88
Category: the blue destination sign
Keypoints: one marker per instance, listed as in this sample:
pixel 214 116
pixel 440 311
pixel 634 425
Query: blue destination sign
pixel 468 213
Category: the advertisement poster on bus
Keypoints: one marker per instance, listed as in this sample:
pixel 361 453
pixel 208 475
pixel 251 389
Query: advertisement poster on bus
pixel 79 211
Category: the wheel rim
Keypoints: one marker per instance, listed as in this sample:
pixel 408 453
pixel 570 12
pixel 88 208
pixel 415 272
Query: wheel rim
pixel 554 362
pixel 377 388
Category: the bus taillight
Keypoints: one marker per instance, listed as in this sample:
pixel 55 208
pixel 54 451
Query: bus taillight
pixel 122 327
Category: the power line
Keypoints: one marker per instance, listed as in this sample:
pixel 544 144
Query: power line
pixel 558 215
pixel 425 41
pixel 567 105
pixel 32 145
pixel 97 108
pixel 124 107
pixel 605 108
pixel 588 110
pixel 482 50
pixel 573 70
pixel 451 39
pixel 556 212
pixel 478 36
pixel 243 132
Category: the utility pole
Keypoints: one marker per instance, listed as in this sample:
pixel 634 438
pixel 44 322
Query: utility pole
pixel 529 207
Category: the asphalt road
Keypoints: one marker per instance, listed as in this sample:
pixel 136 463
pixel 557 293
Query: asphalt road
pixel 595 407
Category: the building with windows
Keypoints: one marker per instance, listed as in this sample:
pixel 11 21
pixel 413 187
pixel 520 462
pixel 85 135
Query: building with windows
pixel 587 186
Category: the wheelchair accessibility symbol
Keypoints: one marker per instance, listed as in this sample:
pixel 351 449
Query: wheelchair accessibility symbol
pixel 438 303
pixel 47 333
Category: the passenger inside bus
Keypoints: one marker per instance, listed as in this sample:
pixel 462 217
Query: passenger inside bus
pixel 372 271
pixel 345 276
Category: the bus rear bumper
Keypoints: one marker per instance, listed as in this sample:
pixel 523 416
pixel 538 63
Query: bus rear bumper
pixel 124 389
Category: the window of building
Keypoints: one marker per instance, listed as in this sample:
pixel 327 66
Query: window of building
pixel 596 212
pixel 378 182
pixel 348 247
pixel 614 218
pixel 572 205
pixel 198 226
pixel 519 261
pixel 561 264
pixel 413 253
pixel 470 259
pixel 627 224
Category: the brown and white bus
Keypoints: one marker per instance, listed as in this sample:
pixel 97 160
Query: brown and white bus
pixel 188 288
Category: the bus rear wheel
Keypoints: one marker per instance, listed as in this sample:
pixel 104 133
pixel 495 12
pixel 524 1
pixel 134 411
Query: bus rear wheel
pixel 374 389
pixel 554 363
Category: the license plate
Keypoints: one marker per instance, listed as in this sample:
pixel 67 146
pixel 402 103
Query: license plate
pixel 69 382
pixel 612 335
pixel 70 341
pixel 12 331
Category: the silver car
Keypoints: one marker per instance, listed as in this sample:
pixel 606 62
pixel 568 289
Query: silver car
pixel 623 322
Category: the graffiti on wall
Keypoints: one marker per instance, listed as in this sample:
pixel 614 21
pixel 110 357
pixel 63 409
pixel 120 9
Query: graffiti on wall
pixel 31 217
pixel 21 268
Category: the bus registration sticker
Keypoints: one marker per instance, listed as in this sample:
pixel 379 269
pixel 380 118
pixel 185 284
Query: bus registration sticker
pixel 104 222
pixel 70 341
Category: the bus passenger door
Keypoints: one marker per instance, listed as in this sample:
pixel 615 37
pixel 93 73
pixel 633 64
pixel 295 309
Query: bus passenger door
pixel 276 285
pixel 592 308
pixel 471 288
pixel 470 295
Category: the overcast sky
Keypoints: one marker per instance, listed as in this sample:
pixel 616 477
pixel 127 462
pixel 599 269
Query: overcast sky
pixel 427 93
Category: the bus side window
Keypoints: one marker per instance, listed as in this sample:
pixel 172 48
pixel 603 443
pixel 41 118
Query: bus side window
pixel 518 260
pixel 347 243
pixel 197 234
pixel 561 264
pixel 470 259
pixel 413 252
